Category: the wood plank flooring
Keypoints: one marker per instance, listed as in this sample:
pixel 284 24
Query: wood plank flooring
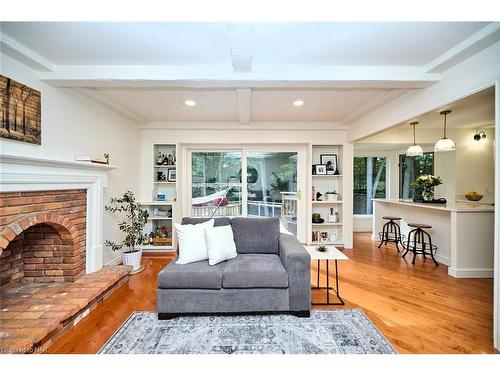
pixel 420 309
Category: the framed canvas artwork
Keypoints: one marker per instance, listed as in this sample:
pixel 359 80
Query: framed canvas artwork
pixel 20 112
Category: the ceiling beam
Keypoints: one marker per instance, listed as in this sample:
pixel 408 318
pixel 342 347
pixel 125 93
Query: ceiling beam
pixel 379 101
pixel 23 54
pixel 480 40
pixel 244 105
pixel 164 76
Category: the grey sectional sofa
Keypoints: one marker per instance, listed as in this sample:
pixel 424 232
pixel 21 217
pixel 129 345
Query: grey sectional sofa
pixel 270 274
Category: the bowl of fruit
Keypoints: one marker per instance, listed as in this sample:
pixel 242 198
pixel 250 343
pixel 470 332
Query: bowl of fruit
pixel 473 196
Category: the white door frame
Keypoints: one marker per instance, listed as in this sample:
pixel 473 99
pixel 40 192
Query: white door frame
pixel 300 149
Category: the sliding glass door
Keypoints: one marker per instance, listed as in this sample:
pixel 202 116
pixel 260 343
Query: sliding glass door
pixel 216 188
pixel 272 186
pixel 269 188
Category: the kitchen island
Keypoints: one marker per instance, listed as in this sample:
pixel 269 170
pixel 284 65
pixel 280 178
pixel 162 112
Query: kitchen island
pixel 463 232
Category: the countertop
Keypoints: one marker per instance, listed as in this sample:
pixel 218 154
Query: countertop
pixel 451 207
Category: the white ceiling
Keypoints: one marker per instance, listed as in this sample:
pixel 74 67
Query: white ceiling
pixel 341 43
pixel 244 72
pixel 472 111
pixel 476 111
pixel 221 105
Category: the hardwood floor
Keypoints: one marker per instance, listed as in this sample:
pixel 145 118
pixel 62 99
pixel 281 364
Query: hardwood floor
pixel 420 309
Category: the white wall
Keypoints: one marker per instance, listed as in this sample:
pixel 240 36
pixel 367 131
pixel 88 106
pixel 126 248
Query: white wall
pixel 225 135
pixel 74 125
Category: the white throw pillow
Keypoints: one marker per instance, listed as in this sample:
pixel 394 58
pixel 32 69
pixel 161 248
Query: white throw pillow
pixel 220 244
pixel 192 244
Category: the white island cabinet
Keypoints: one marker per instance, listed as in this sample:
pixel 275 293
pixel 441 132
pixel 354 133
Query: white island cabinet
pixel 463 232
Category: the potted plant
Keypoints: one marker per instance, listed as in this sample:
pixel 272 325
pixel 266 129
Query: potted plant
pixel 426 184
pixel 132 225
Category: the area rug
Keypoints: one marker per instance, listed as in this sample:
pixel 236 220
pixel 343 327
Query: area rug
pixel 325 332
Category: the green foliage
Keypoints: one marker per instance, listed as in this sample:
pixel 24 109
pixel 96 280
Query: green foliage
pixel 281 178
pixel 133 223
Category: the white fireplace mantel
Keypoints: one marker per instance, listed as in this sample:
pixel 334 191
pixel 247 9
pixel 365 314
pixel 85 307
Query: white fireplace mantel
pixel 19 173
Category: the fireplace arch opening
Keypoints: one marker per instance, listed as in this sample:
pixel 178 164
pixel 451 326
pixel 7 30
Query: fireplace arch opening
pixel 42 249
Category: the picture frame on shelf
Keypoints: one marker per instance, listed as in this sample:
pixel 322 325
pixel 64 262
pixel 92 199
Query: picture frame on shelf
pixel 331 162
pixel 160 196
pixel 172 175
pixel 320 169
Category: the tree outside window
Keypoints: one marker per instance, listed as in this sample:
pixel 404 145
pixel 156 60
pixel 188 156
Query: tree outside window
pixel 369 183
pixel 410 167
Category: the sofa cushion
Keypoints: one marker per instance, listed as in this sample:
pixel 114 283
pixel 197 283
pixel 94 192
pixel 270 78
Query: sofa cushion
pixel 197 275
pixel 256 235
pixel 255 271
pixel 219 221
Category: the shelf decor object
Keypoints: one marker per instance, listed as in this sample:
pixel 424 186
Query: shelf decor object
pixel 414 149
pixel 445 144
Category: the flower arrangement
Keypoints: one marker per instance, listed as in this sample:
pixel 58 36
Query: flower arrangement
pixel 426 183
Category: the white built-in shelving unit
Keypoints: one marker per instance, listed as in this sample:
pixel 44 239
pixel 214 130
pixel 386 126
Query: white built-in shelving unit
pixel 326 183
pixel 162 212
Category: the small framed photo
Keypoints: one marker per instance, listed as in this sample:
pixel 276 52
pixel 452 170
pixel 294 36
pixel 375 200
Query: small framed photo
pixel 172 175
pixel 330 160
pixel 320 169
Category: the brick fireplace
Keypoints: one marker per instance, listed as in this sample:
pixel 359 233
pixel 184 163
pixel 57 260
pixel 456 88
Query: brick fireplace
pixel 51 249
pixel 42 236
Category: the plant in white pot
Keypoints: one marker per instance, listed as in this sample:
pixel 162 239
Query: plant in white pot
pixel 132 225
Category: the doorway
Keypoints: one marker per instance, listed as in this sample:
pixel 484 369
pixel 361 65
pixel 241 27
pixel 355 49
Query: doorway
pixel 271 187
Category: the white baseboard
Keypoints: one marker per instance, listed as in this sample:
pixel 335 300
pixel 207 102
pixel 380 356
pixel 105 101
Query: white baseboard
pixel 465 273
pixel 443 260
pixel 114 262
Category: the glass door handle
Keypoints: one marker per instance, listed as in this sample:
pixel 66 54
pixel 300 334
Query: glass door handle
pixel 299 194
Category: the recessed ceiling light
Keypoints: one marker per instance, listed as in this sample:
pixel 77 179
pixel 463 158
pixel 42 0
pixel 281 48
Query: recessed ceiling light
pixel 298 103
pixel 190 103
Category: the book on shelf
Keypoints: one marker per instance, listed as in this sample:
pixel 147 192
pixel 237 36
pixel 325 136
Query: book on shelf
pixel 90 159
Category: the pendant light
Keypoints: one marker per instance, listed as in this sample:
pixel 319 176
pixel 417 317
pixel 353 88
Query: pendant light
pixel 445 144
pixel 414 150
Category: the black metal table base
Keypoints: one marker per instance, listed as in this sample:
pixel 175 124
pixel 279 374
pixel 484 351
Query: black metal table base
pixel 329 288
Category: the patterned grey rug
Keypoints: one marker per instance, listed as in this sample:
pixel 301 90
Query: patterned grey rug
pixel 325 332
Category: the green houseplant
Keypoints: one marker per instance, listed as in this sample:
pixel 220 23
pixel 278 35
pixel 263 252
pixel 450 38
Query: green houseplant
pixel 426 183
pixel 132 225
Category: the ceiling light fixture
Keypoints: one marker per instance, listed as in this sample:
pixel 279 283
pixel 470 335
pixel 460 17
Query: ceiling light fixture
pixel 298 103
pixel 414 149
pixel 445 144
pixel 479 136
pixel 190 103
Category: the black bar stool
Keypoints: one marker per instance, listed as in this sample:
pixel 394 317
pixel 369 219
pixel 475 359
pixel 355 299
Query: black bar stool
pixel 391 232
pixel 420 242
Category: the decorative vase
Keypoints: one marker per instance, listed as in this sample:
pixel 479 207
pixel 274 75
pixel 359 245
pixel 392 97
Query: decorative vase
pixel 428 195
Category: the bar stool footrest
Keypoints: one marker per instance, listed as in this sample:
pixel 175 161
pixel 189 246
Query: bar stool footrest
pixel 419 248
pixel 391 237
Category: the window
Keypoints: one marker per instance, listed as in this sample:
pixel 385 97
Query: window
pixel 369 183
pixel 410 167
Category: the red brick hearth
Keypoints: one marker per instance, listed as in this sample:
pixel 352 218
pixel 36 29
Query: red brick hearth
pixel 42 236
pixel 43 286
